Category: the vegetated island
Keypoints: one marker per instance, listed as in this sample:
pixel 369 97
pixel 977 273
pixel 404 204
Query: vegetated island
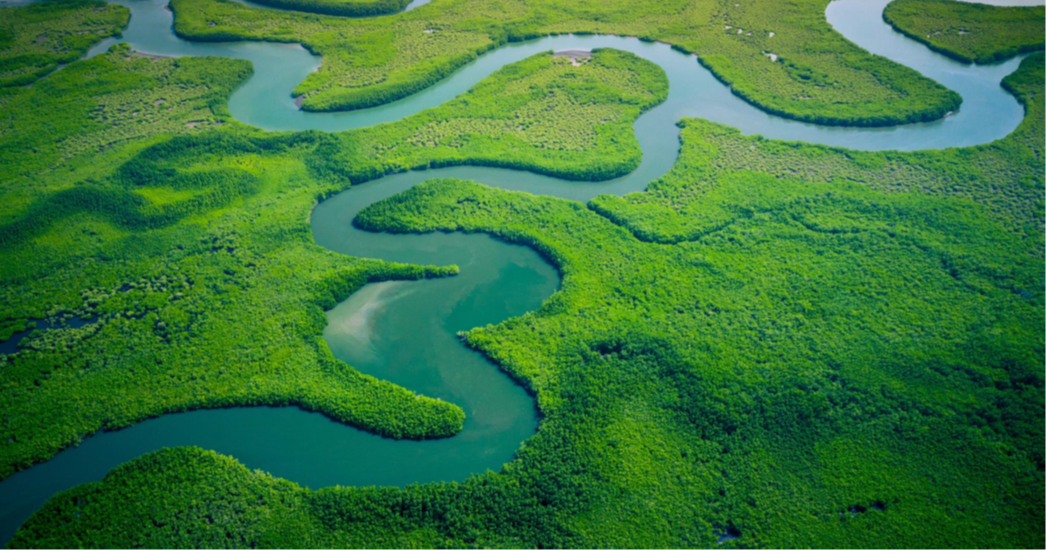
pixel 148 148
pixel 796 344
pixel 36 38
pixel 816 75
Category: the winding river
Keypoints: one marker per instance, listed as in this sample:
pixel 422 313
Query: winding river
pixel 405 331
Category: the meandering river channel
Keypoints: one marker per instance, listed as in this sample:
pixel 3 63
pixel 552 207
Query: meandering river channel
pixel 405 332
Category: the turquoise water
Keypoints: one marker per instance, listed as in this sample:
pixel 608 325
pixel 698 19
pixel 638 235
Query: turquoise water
pixel 405 331
pixel 988 112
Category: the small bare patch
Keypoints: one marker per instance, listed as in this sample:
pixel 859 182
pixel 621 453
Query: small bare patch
pixel 576 57
pixel 151 56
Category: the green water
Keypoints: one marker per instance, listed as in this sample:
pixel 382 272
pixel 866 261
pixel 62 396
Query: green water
pixel 405 331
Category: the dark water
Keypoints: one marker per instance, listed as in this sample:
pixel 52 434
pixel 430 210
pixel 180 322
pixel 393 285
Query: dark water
pixel 405 331
pixel 11 344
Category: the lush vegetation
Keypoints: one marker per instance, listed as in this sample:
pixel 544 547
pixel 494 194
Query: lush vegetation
pixel 1006 176
pixel 803 345
pixel 348 8
pixel 36 38
pixel 969 31
pixel 176 243
pixel 121 97
pixel 817 76
pixel 834 366
pixel 542 114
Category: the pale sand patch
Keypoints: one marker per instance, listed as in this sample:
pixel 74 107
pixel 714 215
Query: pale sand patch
pixel 354 318
pixel 576 57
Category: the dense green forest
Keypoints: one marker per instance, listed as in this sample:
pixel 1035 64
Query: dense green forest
pixel 818 76
pixel 1006 175
pixel 348 8
pixel 542 114
pixel 802 345
pixel 36 38
pixel 178 242
pixel 834 366
pixel 120 97
pixel 967 31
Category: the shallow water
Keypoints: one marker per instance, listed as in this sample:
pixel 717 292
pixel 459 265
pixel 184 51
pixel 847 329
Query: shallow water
pixel 988 112
pixel 405 332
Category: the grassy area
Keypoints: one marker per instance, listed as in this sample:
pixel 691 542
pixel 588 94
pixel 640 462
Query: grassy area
pixel 1006 176
pixel 808 346
pixel 120 98
pixel 970 32
pixel 818 76
pixel 345 8
pixel 541 114
pixel 832 366
pixel 36 38
pixel 180 228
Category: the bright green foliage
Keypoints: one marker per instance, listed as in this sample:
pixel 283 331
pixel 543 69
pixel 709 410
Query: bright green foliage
pixel 815 346
pixel 1006 175
pixel 818 76
pixel 967 31
pixel 542 114
pixel 195 253
pixel 173 299
pixel 36 38
pixel 122 96
pixel 281 501
pixel 834 367
pixel 347 8
pixel 829 364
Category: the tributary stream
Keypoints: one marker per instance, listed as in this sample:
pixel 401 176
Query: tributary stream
pixel 405 332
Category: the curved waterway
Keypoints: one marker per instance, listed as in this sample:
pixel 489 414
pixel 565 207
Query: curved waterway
pixel 404 332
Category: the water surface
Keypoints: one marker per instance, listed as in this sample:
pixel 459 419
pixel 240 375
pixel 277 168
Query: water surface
pixel 405 332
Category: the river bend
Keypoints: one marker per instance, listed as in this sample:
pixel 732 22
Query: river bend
pixel 405 332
